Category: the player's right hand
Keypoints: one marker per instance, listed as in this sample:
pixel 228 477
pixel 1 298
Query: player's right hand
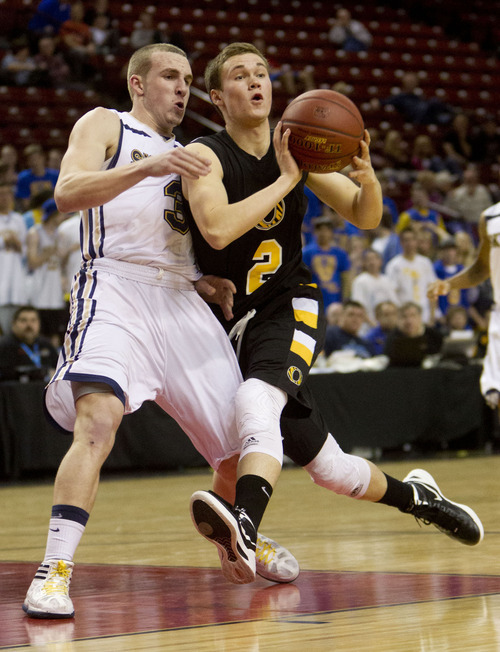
pixel 438 288
pixel 181 161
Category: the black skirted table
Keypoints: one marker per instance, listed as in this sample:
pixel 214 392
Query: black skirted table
pixel 382 409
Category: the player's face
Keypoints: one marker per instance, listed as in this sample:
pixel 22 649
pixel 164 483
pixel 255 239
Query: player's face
pixel 246 88
pixel 166 90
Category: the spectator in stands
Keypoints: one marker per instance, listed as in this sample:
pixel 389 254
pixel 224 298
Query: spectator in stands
pixel 35 177
pixel 105 37
pixel 445 266
pixel 372 287
pixel 77 44
pixel 385 239
pixel 412 104
pixel 328 263
pixel 144 30
pixel 45 287
pixel 457 141
pixel 18 67
pixel 420 215
pixel 9 158
pixel 386 319
pixel 466 249
pixel 68 250
pixel 333 312
pixel 357 245
pixel 34 214
pixel 97 8
pixel 470 199
pixel 48 18
pixel 54 158
pixel 25 354
pixel 52 62
pixel 396 155
pixel 349 34
pixel 412 341
pixel 426 243
pixel 345 336
pixel 13 286
pixel 424 155
pixel 412 273
pixel 486 143
pixel 389 204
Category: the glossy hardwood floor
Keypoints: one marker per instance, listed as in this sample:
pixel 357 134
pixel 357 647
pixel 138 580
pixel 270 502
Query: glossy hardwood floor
pixel 371 578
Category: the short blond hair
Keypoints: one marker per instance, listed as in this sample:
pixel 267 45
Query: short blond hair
pixel 140 61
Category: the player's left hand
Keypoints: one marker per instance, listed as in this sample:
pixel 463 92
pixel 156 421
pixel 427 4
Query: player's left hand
pixel 363 171
pixel 214 289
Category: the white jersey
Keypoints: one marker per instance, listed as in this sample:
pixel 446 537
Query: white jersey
pixel 411 278
pixel 13 289
pixel 371 290
pixel 490 378
pixel 45 284
pixel 141 225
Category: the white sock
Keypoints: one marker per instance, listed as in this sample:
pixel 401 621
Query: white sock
pixel 63 539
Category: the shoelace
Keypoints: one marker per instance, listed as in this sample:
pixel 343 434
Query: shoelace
pixel 265 552
pixel 58 579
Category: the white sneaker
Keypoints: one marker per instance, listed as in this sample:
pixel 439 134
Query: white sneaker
pixel 274 562
pixel 48 595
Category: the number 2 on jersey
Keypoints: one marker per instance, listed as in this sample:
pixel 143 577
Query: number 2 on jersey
pixel 268 259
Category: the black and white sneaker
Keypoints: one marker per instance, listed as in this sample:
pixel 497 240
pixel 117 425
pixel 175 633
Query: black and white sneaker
pixel 231 530
pixel 430 506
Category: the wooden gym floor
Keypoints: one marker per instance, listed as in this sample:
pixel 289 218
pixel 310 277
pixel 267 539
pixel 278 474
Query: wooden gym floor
pixel 371 579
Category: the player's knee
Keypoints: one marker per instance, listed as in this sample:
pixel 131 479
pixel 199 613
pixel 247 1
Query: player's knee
pixel 339 472
pixel 98 417
pixel 258 411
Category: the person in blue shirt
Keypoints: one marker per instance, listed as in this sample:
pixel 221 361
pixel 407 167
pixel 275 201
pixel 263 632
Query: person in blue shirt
pixel 344 337
pixel 35 178
pixel 386 314
pixel 445 267
pixel 329 264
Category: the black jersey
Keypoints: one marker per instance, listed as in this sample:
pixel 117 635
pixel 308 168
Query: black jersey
pixel 267 260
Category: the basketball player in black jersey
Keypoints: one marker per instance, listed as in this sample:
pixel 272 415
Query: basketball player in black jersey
pixel 245 217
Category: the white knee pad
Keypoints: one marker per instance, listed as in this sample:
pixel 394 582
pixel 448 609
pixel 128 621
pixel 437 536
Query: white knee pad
pixel 258 412
pixel 340 472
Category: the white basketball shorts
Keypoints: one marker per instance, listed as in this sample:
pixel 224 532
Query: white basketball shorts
pixel 490 377
pixel 150 336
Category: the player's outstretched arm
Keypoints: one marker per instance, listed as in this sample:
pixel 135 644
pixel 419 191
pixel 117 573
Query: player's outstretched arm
pixel 475 274
pixel 357 199
pixel 94 139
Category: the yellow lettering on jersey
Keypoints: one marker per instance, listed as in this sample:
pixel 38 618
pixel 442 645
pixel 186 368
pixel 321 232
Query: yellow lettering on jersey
pixel 268 259
pixel 273 218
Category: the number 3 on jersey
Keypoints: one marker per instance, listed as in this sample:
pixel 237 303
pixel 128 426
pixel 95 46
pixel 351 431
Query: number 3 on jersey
pixel 173 216
pixel 268 259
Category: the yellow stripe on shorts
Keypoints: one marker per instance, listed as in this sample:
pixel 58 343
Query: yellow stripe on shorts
pixel 306 311
pixel 303 345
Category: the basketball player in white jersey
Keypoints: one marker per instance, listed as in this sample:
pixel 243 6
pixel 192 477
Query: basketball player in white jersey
pixel 138 330
pixel 486 265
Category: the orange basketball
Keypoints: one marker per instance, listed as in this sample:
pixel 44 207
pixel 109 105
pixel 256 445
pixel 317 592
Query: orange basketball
pixel 326 129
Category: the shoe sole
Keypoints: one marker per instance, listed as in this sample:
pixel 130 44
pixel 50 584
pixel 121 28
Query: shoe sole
pixel 419 475
pixel 45 614
pixel 217 524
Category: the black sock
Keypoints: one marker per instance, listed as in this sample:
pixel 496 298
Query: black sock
pixel 252 495
pixel 399 494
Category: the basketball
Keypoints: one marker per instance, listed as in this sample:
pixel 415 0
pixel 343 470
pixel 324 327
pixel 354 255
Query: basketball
pixel 326 129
